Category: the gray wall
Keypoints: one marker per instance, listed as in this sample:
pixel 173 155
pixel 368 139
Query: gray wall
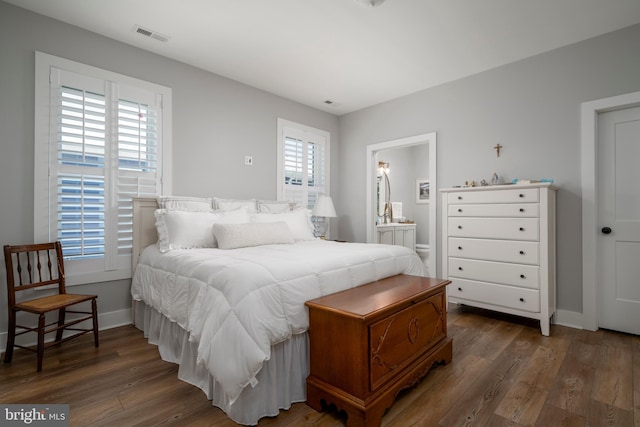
pixel 531 107
pixel 216 121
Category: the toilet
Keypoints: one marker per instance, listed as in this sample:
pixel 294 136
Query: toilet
pixel 423 252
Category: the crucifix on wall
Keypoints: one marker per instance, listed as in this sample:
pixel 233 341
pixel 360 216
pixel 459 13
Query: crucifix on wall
pixel 497 148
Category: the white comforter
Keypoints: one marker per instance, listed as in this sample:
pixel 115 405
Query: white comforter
pixel 237 303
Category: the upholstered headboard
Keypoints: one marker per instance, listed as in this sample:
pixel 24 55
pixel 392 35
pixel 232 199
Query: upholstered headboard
pixel 144 226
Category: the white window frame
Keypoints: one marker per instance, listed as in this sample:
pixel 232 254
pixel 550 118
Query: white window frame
pixel 80 271
pixel 288 128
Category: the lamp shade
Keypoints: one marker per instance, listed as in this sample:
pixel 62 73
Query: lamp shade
pixel 324 207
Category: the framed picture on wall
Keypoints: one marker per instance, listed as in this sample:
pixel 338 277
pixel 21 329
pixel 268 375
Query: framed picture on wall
pixel 422 190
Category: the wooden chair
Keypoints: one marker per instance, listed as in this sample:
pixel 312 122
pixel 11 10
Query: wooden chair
pixel 40 265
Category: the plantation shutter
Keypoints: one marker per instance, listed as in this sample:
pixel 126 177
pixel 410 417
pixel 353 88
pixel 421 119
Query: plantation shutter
pixel 304 167
pixel 107 151
pixel 138 158
pixel 293 170
pixel 78 167
pixel 317 171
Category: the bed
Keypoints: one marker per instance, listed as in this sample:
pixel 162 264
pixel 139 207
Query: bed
pixel 229 309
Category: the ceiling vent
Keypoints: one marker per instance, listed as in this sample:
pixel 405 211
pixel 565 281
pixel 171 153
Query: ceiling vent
pixel 149 33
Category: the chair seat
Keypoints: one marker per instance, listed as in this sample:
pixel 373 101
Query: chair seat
pixel 53 302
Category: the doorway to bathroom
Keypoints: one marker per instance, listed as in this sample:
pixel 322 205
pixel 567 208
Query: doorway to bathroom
pixel 411 189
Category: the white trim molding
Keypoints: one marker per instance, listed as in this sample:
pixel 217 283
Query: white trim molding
pixel 372 150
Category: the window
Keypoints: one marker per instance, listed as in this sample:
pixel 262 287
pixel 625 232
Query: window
pixel 100 140
pixel 303 163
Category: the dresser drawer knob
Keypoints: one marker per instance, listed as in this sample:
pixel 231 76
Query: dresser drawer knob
pixel 459 227
pixel 459 210
pixel 521 228
pixel 521 195
pixel 460 289
pixel 521 299
pixel 459 197
pixel 459 248
pixel 521 252
pixel 521 209
pixel 459 268
pixel 522 276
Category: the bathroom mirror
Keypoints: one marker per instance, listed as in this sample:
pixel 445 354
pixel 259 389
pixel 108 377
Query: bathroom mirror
pixel 412 162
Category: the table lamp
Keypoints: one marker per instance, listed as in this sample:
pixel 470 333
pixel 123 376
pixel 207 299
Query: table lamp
pixel 323 209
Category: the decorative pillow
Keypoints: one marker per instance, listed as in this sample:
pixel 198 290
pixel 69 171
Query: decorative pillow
pixel 233 204
pixel 237 216
pixel 189 229
pixel 299 222
pixel 273 206
pixel 232 236
pixel 194 204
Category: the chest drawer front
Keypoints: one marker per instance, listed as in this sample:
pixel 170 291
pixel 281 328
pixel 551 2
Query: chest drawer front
pixel 515 210
pixel 402 337
pixel 526 276
pixel 494 228
pixel 522 195
pixel 498 295
pixel 495 250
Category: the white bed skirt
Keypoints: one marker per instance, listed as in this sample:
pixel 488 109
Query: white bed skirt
pixel 281 381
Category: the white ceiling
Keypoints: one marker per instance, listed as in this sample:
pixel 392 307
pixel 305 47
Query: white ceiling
pixel 316 50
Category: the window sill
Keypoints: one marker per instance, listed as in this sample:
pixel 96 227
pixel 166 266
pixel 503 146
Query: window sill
pixel 106 276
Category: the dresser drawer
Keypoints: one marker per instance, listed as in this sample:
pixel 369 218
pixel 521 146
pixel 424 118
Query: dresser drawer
pixel 514 210
pixel 498 295
pixel 526 276
pixel 522 195
pixel 494 228
pixel 495 250
pixel 402 337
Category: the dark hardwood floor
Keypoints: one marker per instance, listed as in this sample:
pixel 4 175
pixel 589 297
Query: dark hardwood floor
pixel 503 373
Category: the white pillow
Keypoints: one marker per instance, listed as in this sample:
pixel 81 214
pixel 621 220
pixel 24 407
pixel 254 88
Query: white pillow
pixel 194 204
pixel 237 216
pixel 273 206
pixel 233 204
pixel 189 229
pixel 299 222
pixel 232 236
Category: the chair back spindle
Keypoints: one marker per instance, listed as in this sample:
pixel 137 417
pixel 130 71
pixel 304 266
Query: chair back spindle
pixel 35 267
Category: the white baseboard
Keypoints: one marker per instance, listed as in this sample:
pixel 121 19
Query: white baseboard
pixel 571 319
pixel 109 320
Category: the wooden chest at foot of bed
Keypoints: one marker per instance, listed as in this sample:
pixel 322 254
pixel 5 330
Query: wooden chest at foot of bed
pixel 370 342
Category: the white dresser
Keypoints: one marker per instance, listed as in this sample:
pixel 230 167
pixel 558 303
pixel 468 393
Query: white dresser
pixel 397 234
pixel 499 248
